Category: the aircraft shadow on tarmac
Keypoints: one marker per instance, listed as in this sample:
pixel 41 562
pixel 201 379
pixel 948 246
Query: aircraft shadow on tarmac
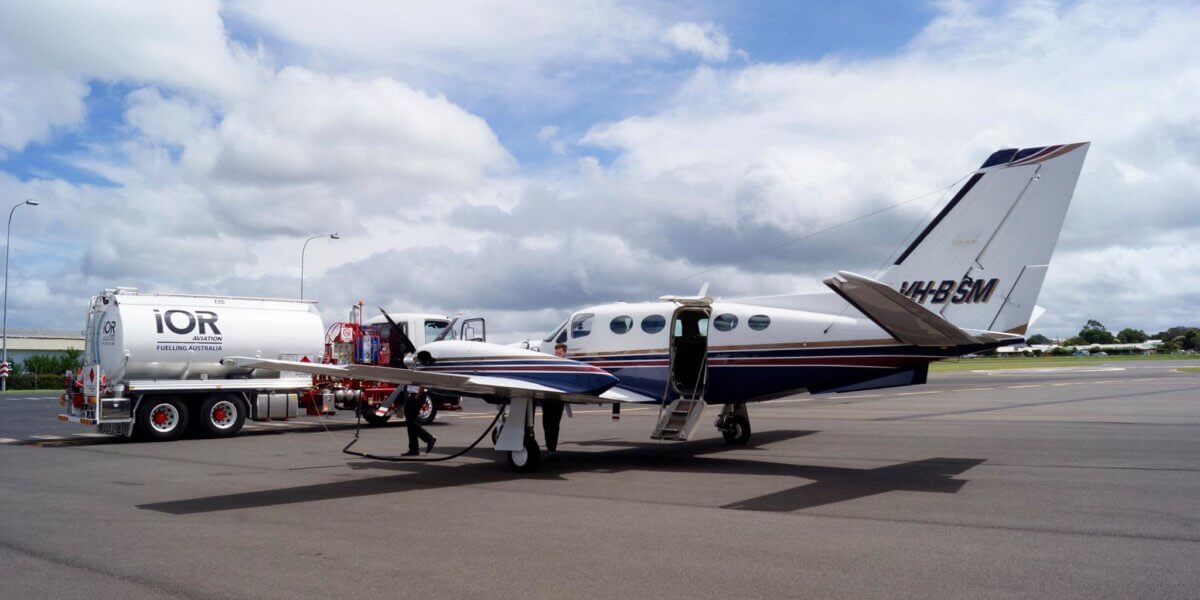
pixel 825 485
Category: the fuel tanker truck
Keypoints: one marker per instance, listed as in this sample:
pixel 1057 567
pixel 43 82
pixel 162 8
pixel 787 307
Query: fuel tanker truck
pixel 152 363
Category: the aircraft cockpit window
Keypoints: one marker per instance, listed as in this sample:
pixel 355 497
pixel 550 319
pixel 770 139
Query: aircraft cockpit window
pixel 581 325
pixel 560 333
pixel 725 322
pixel 759 322
pixel 653 323
pixel 621 324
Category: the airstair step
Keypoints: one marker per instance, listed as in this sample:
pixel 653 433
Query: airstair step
pixel 679 419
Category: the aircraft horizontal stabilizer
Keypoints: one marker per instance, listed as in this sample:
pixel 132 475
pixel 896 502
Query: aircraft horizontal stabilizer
pixel 906 320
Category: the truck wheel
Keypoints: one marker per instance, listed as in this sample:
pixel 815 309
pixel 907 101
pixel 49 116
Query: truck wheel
pixel 428 411
pixel 162 419
pixel 222 415
pixel 368 415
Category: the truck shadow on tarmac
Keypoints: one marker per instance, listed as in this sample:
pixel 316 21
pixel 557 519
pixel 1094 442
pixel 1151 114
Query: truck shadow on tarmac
pixel 824 485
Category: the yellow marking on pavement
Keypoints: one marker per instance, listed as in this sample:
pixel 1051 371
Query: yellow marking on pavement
pixel 918 393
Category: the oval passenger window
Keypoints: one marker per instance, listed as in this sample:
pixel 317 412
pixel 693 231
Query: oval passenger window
pixel 621 324
pixel 653 324
pixel 725 322
pixel 759 322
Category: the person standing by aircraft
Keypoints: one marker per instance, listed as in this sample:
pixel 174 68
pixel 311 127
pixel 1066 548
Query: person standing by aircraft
pixel 552 412
pixel 414 397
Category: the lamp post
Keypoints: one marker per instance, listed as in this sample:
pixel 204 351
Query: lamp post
pixel 332 236
pixel 7 244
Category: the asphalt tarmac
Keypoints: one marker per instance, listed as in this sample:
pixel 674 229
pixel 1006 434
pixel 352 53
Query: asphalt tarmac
pixel 1062 483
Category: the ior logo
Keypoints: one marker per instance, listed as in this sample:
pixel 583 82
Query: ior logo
pixel 967 291
pixel 183 321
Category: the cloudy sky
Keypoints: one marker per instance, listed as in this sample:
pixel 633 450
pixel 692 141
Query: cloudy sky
pixel 521 159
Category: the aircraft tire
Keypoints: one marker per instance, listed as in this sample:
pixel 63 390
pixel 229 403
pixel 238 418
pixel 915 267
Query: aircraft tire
pixel 737 430
pixel 368 415
pixel 527 460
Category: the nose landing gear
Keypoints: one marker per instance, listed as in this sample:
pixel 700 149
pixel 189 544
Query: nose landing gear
pixel 516 437
pixel 734 424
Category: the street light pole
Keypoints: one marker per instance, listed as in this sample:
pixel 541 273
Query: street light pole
pixel 332 236
pixel 7 244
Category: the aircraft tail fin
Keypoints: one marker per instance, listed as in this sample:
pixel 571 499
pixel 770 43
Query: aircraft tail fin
pixel 981 262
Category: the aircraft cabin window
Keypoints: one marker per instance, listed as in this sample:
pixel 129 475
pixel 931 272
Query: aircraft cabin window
pixel 581 325
pixel 725 322
pixel 759 322
pixel 621 324
pixel 653 324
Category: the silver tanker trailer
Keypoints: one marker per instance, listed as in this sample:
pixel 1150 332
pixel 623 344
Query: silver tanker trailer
pixel 151 362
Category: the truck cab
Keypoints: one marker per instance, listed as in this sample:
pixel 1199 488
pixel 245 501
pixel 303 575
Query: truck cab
pixel 373 342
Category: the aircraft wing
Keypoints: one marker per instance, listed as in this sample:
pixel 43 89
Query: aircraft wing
pixel 468 385
pixel 906 320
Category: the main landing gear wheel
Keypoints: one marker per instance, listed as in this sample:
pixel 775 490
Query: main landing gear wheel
pixel 221 415
pixel 162 419
pixel 527 460
pixel 737 430
pixel 368 415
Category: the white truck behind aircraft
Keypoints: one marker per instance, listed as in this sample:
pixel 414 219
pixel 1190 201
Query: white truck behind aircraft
pixel 152 362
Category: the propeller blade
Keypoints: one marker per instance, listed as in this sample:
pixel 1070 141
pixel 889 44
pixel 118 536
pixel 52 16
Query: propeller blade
pixel 408 345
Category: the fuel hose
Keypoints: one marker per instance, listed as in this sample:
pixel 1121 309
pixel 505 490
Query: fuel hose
pixel 358 427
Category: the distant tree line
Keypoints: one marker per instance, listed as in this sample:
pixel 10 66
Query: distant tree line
pixel 52 364
pixel 43 371
pixel 1094 332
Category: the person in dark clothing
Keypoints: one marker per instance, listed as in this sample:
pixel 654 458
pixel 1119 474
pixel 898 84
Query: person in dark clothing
pixel 552 412
pixel 412 421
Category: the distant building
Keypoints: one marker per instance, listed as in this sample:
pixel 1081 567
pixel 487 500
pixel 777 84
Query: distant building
pixel 1146 346
pixel 23 343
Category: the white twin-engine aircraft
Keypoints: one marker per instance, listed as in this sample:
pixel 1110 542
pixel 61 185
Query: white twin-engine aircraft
pixel 968 282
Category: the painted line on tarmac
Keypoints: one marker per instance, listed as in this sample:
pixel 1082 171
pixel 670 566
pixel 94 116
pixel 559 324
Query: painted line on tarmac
pixel 1018 387
pixel 861 396
pixel 975 389
pixel 47 437
pixel 918 393
pixel 9 441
